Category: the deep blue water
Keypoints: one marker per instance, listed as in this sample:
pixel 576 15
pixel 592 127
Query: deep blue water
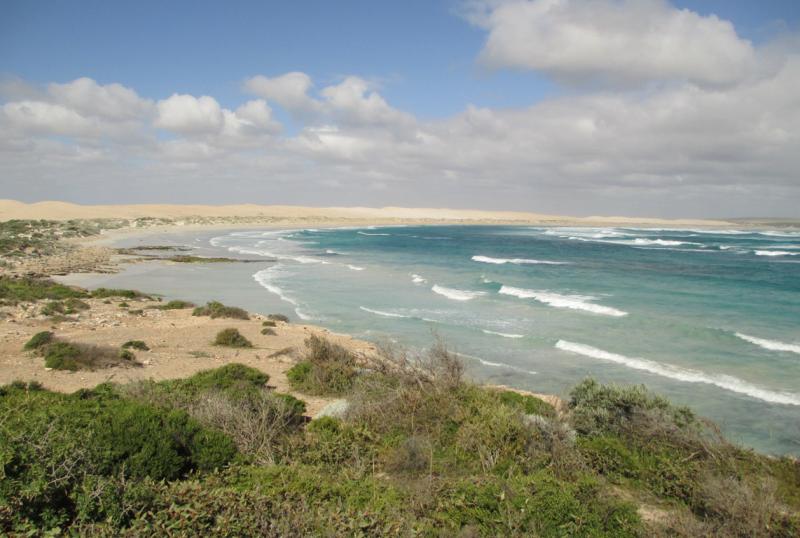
pixel 708 318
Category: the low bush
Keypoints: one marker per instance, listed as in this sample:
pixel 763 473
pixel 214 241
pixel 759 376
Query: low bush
pixel 268 323
pixel 136 344
pixel 528 404
pixel 14 290
pixel 176 305
pixel 101 293
pixel 38 340
pixel 65 307
pixel 215 309
pixel 278 317
pixel 62 355
pixel 57 448
pixel 231 338
pixel 266 331
pixel 327 368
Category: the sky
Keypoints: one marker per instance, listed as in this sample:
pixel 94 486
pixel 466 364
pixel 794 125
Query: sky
pixel 579 107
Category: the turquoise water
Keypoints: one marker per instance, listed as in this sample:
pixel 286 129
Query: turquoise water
pixel 707 318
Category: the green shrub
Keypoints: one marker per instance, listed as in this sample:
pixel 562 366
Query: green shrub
pixel 67 306
pixel 176 305
pixel 528 404
pixel 123 304
pixel 57 447
pixel 14 290
pixel 61 355
pixel 126 355
pixel 231 338
pixel 600 409
pixel 268 323
pixel 328 368
pixel 137 312
pixel 278 317
pixel 136 344
pixel 38 340
pixel 268 332
pixel 101 293
pixel 215 309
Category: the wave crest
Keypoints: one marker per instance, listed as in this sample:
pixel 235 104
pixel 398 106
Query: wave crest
pixel 727 382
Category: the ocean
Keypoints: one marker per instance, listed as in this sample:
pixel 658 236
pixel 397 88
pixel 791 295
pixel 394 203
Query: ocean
pixel 708 318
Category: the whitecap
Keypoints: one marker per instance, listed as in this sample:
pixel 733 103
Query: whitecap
pixel 495 364
pixel 722 381
pixel 557 300
pixel 504 335
pixel 265 279
pixel 416 279
pixel 516 261
pixel 772 345
pixel 382 313
pixel 355 267
pixel 365 233
pixel 774 253
pixel 456 295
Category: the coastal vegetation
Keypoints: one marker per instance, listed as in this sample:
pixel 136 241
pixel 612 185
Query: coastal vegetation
pixel 215 309
pixel 418 450
pixel 231 338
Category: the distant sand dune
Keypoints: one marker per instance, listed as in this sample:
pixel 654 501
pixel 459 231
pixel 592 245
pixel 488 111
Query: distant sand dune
pixel 11 209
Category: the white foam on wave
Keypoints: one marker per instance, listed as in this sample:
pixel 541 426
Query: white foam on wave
pixel 780 234
pixel 722 381
pixel 456 295
pixel 515 261
pixel 265 278
pixel 365 233
pixel 355 267
pixel 772 345
pixel 637 242
pixel 382 313
pixel 774 253
pixel 416 279
pixel 495 364
pixel 504 335
pixel 557 300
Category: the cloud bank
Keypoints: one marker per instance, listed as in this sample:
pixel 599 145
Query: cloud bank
pixel 674 115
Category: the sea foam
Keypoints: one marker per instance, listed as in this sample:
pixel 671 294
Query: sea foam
pixel 515 261
pixel 382 313
pixel 772 345
pixel 722 381
pixel 504 335
pixel 774 253
pixel 557 300
pixel 265 279
pixel 456 295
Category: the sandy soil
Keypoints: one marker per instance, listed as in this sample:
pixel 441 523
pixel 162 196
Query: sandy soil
pixel 180 345
pixel 332 216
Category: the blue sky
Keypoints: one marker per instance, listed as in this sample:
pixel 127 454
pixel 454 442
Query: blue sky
pixel 421 51
pixel 429 64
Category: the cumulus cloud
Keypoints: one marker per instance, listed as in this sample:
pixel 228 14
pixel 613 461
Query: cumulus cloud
pixel 700 145
pixel 289 90
pixel 189 115
pixel 612 41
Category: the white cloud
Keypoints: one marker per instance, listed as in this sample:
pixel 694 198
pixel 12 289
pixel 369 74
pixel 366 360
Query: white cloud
pixel 289 90
pixel 617 41
pixel 112 101
pixel 677 149
pixel 187 114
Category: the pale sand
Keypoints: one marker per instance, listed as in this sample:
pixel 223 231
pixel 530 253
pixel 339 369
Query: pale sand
pixel 294 215
pixel 173 335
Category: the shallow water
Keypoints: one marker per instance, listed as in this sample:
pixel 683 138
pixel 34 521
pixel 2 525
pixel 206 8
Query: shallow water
pixel 707 318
